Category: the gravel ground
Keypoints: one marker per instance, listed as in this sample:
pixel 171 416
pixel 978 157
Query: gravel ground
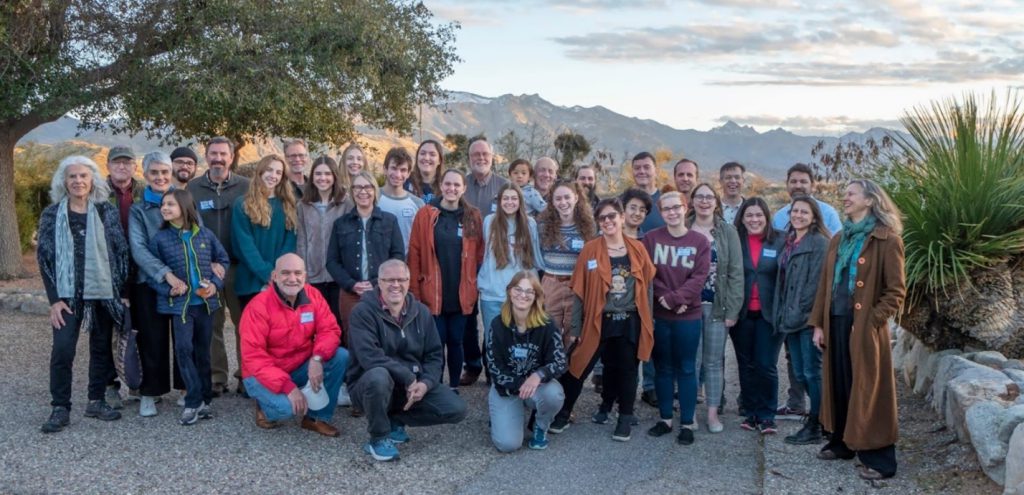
pixel 229 454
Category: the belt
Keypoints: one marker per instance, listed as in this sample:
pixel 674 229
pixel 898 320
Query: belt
pixel 558 278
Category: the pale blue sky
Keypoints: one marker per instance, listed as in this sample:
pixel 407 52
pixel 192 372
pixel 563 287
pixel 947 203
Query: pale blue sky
pixel 809 66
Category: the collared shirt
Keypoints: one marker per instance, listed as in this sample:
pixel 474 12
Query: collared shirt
pixel 483 194
pixel 729 211
pixel 829 216
pixel 384 306
pixel 125 198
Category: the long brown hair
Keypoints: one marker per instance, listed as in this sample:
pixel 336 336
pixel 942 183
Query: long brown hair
pixel 187 205
pixel 551 230
pixel 311 194
pixel 416 177
pixel 498 238
pixel 818 225
pixel 471 216
pixel 256 203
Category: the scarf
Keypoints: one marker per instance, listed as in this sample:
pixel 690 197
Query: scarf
pixel 98 283
pixel 850 246
pixel 153 197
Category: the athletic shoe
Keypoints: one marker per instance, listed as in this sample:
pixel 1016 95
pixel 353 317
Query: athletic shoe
pixel 539 440
pixel 398 434
pixel 749 424
pixel 788 413
pixel 767 427
pixel 147 406
pixel 623 429
pixel 600 417
pixel 181 399
pixel 660 428
pixel 685 434
pixel 113 397
pixel 649 398
pixel 344 399
pixel 205 412
pixel 59 418
pixel 382 450
pixel 189 416
pixel 100 410
pixel 558 425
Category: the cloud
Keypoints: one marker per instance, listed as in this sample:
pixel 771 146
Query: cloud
pixel 464 15
pixel 813 125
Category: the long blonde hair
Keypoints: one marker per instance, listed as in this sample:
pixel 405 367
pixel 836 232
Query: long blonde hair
pixel 536 317
pixel 256 204
pixel 882 206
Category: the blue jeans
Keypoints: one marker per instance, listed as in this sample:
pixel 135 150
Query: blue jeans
pixel 277 407
pixel 806 364
pixel 450 328
pixel 507 413
pixel 675 361
pixel 489 310
pixel 757 356
pixel 192 337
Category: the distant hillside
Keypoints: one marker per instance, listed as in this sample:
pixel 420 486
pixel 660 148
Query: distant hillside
pixel 769 153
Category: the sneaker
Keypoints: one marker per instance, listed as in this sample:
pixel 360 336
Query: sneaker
pixel 786 412
pixel 660 428
pixel 147 406
pixel 205 412
pixel 623 429
pixel 558 425
pixel 649 398
pixel 382 450
pixel 539 440
pixel 344 399
pixel 600 417
pixel 59 418
pixel 189 416
pixel 113 397
pixel 398 434
pixel 767 427
pixel 181 400
pixel 749 424
pixel 686 434
pixel 100 410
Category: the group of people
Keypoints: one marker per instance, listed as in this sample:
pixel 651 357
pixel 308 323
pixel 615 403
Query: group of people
pixel 344 291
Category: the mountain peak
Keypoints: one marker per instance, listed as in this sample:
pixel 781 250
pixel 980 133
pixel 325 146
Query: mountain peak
pixel 731 128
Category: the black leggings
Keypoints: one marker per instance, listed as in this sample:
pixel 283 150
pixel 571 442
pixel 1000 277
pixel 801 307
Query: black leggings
pixel 620 377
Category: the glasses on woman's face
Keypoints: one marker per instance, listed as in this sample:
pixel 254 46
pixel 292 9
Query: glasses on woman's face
pixel 671 209
pixel 360 188
pixel 523 292
pixel 607 217
pixel 704 197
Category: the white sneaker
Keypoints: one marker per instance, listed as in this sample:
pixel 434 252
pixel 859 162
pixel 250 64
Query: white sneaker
pixel 344 400
pixel 181 399
pixel 147 406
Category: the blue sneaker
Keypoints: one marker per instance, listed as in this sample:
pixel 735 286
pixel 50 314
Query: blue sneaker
pixel 539 440
pixel 398 434
pixel 382 450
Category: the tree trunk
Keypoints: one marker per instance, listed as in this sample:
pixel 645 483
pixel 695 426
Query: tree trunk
pixel 10 241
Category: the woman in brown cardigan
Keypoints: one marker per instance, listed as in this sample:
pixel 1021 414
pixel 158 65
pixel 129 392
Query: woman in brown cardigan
pixel 611 320
pixel 862 286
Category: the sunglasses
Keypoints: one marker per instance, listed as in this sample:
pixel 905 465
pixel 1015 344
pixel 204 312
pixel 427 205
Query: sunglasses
pixel 607 217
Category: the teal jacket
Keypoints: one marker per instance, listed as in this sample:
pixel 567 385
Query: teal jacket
pixel 257 247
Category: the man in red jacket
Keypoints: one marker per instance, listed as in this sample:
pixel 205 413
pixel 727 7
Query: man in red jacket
pixel 290 337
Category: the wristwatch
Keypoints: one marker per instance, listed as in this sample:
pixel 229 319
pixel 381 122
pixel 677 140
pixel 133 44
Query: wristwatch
pixel 317 358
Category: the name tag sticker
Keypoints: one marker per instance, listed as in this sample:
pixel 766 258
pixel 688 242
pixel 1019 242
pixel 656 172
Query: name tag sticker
pixel 591 264
pixel 494 207
pixel 458 233
pixel 306 317
pixel 206 205
pixel 768 253
pixel 577 243
pixel 518 353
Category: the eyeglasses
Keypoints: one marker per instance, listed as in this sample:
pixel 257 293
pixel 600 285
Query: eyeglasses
pixel 122 163
pixel 671 208
pixel 704 197
pixel 362 188
pixel 295 156
pixel 607 217
pixel 184 161
pixel 523 292
pixel 393 281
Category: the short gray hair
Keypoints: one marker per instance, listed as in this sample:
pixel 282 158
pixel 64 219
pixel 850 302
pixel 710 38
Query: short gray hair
pixel 99 192
pixel 393 263
pixel 158 157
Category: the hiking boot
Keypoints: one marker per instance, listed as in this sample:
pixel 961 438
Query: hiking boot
pixel 649 398
pixel 113 397
pixel 809 434
pixel 100 410
pixel 147 406
pixel 600 417
pixel 686 434
pixel 559 425
pixel 189 416
pixel 382 450
pixel 59 418
pixel 767 427
pixel 749 424
pixel 469 377
pixel 660 428
pixel 539 440
pixel 398 434
pixel 623 429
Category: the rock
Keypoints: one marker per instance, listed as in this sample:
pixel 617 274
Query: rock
pixel 971 385
pixel 946 365
pixel 914 360
pixel 983 421
pixel 12 302
pixel 1011 417
pixel 35 306
pixel 970 355
pixel 1013 364
pixel 1017 376
pixel 992 359
pixel 904 344
pixel 1014 464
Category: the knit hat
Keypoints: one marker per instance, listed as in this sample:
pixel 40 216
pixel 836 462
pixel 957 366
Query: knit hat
pixel 186 152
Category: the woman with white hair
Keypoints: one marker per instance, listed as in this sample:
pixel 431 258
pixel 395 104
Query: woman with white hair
pixel 83 260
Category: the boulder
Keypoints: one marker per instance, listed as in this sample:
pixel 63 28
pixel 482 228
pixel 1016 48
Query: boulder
pixel 1011 417
pixel 947 365
pixel 972 385
pixel 1017 376
pixel 904 343
pixel 12 302
pixel 914 360
pixel 1013 364
pixel 35 306
pixel 927 371
pixel 992 359
pixel 1013 482
pixel 983 421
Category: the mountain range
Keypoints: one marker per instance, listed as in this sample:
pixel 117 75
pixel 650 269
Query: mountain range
pixel 768 154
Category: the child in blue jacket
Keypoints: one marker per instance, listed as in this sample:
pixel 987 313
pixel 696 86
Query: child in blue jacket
pixel 189 251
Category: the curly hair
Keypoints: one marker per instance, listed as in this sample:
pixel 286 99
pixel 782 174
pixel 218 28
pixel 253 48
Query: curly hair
pixel 551 230
pixel 256 205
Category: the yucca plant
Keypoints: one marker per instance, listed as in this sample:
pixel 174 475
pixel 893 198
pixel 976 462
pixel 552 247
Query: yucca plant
pixel 959 181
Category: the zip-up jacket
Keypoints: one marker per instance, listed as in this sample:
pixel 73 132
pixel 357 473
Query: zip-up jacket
pixel 345 251
pixel 170 250
pixel 794 296
pixel 425 270
pixel 314 235
pixel 409 349
pixel 215 201
pixel 277 338
pixel 513 356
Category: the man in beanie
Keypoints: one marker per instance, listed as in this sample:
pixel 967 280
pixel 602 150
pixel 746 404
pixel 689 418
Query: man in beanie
pixel 183 166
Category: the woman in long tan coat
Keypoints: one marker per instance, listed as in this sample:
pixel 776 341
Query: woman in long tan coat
pixel 862 286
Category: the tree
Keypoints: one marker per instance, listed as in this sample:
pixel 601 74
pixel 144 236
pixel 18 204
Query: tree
pixel 536 144
pixel 570 146
pixel 457 143
pixel 510 146
pixel 247 69
pixel 848 160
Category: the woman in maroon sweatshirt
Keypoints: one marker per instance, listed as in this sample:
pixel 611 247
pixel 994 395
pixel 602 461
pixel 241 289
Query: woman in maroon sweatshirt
pixel 682 259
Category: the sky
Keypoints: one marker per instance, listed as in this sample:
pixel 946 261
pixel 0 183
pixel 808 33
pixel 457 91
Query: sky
pixel 811 67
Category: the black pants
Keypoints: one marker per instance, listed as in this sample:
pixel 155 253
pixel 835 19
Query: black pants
pixel 620 377
pixel 382 400
pixel 882 459
pixel 62 356
pixel 154 341
pixel 471 352
pixel 331 292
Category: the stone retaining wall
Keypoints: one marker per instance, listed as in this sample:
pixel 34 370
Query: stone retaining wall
pixel 978 394
pixel 24 300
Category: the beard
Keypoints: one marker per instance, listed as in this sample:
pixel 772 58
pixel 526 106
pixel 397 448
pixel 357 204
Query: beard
pixel 184 176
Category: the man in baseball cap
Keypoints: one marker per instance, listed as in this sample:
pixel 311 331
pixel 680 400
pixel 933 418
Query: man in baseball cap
pixel 183 166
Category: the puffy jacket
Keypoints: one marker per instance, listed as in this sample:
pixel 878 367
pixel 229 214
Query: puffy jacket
pixel 383 242
pixel 425 271
pixel 169 248
pixel 794 297
pixel 277 338
pixel 314 235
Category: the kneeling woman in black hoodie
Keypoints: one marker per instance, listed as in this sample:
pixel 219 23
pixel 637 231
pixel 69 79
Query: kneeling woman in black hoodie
pixel 524 356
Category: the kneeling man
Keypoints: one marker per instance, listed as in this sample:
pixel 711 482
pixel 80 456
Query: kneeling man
pixel 290 337
pixel 395 376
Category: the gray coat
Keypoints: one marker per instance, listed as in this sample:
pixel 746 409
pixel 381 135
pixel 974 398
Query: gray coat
pixel 795 292
pixel 314 235
pixel 144 222
pixel 728 274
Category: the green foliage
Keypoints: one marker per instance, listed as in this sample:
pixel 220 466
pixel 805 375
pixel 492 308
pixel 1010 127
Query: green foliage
pixel 959 181
pixel 34 165
pixel 570 146
pixel 458 151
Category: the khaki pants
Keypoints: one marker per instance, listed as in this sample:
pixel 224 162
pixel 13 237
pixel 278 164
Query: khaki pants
pixel 218 350
pixel 558 302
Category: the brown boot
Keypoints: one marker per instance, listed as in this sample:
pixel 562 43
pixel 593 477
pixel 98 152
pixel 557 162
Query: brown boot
pixel 469 377
pixel 322 427
pixel 262 422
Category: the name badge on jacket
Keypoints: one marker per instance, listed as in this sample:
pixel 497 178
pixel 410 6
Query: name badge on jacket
pixel 206 205
pixel 768 253
pixel 306 317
